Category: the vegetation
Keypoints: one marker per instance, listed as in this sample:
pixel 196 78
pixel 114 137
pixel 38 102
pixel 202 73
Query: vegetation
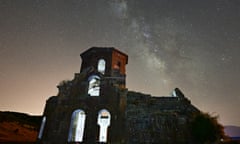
pixel 205 129
pixel 64 82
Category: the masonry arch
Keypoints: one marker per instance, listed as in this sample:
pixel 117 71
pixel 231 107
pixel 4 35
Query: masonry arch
pixel 101 66
pixel 104 120
pixel 77 126
pixel 94 85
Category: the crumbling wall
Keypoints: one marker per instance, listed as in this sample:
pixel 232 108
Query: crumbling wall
pixel 162 120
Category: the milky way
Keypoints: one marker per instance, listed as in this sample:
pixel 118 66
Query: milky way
pixel 193 45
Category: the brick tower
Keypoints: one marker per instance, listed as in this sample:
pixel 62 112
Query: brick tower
pixel 90 108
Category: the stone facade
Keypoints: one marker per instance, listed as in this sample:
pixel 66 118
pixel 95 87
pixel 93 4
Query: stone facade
pixel 96 107
pixel 162 120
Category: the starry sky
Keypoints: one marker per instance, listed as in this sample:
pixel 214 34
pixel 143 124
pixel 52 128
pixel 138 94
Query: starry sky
pixel 189 44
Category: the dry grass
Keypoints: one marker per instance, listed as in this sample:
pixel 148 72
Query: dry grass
pixel 16 132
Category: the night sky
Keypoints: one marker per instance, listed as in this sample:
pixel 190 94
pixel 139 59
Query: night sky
pixel 190 44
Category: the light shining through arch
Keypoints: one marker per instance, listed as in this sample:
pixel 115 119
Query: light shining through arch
pixel 101 66
pixel 104 120
pixel 94 85
pixel 42 127
pixel 77 126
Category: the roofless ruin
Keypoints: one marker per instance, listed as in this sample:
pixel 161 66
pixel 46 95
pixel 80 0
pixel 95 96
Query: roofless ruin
pixel 96 107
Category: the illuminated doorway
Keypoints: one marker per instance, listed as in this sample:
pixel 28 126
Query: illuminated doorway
pixel 104 119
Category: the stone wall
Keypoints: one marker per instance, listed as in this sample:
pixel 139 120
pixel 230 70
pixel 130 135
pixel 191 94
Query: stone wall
pixel 162 120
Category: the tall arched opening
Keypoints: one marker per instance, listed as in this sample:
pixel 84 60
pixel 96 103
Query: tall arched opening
pixel 104 120
pixel 77 126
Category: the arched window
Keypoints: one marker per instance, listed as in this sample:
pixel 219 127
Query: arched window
pixel 94 85
pixel 101 66
pixel 42 127
pixel 77 126
pixel 104 119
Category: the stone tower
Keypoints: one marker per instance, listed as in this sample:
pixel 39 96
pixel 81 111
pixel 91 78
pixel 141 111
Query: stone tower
pixel 90 108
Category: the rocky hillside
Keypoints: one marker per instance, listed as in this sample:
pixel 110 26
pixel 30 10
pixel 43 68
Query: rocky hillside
pixel 18 127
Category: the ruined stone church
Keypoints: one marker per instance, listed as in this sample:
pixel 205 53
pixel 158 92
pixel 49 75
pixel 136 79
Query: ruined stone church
pixel 96 107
